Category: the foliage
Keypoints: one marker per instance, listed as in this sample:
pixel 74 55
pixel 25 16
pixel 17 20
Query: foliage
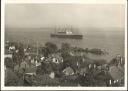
pixel 45 80
pixel 9 63
pixel 57 68
pixel 65 46
pixel 44 51
pixel 51 47
pixel 65 55
pixel 44 68
pixel 21 50
pixel 11 79
pixel 96 51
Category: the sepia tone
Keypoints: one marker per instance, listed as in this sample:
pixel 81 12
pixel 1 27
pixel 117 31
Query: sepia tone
pixel 68 45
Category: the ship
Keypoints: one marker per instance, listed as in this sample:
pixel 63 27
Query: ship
pixel 66 33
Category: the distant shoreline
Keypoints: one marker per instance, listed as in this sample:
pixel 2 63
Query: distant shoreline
pixel 87 29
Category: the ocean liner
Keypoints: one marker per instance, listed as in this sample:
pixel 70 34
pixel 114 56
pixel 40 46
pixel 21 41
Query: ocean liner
pixel 66 33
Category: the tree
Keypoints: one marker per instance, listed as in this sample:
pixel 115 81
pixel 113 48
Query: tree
pixel 57 68
pixel 65 46
pixel 11 79
pixel 44 68
pixel 9 63
pixel 65 55
pixel 21 50
pixel 65 50
pixel 44 51
pixel 45 80
pixel 51 47
pixel 19 55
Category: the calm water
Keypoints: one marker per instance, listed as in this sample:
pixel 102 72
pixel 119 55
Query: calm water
pixel 111 40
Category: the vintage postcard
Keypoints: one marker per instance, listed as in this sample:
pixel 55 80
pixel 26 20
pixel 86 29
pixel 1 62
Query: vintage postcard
pixel 64 45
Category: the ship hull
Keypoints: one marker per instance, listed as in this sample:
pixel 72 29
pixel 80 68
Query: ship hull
pixel 73 36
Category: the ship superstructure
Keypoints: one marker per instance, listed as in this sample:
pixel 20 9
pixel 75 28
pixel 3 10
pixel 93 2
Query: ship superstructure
pixel 66 32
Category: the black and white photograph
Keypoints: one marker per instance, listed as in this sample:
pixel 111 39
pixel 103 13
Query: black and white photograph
pixel 64 45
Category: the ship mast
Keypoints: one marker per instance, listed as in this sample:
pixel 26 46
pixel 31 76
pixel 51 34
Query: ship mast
pixel 37 48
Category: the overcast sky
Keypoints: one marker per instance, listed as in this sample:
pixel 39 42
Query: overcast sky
pixel 51 15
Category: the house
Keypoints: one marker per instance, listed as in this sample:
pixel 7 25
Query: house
pixel 12 48
pixel 56 58
pixel 117 61
pixel 52 75
pixel 104 67
pixel 8 55
pixel 68 71
pixel 42 58
pixel 83 71
pixel 25 67
pixel 37 63
pixel 116 74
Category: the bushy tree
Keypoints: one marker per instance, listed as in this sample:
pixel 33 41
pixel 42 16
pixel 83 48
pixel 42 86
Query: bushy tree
pixel 18 56
pixel 11 79
pixel 45 80
pixel 21 50
pixel 65 55
pixel 65 46
pixel 44 68
pixel 44 51
pixel 9 63
pixel 51 47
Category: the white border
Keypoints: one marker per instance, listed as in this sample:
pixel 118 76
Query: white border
pixel 60 1
pixel 2 43
pixel 67 1
pixel 126 45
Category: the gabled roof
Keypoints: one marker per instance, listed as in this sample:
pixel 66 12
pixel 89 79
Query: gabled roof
pixel 116 73
pixel 68 70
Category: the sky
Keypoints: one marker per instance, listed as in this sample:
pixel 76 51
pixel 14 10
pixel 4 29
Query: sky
pixel 52 15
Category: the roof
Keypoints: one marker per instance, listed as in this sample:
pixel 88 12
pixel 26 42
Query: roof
pixel 116 73
pixel 68 71
pixel 58 57
pixel 83 70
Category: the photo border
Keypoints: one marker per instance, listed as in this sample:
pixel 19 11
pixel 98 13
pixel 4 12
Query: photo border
pixel 56 88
